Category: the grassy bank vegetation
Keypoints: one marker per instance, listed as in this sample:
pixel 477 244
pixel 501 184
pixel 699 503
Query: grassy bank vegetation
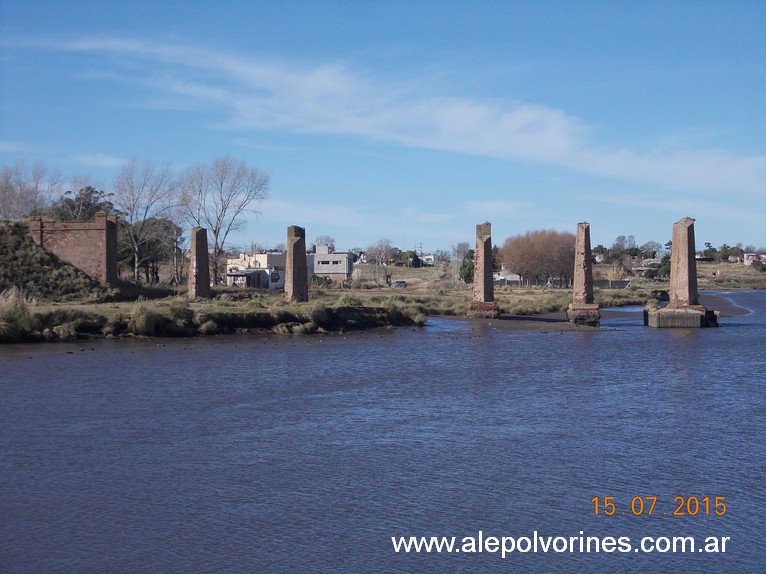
pixel 23 319
pixel 234 310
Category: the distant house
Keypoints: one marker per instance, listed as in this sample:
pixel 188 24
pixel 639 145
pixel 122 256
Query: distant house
pixel 337 267
pixel 257 278
pixel 258 270
pixel 262 260
pixel 505 277
pixel 750 258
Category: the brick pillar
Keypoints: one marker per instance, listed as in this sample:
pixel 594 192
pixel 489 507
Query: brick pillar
pixel 111 271
pixel 683 310
pixel 582 310
pixel 583 270
pixel 36 230
pixel 483 304
pixel 199 266
pixel 483 290
pixel 296 269
pixel 683 266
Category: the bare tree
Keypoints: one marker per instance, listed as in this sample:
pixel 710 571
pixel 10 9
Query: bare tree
pixel 24 191
pixel 216 197
pixel 141 192
pixel 10 196
pixel 651 248
pixel 442 255
pixel 325 240
pixel 175 241
pixel 380 253
pixel 620 244
pixel 460 250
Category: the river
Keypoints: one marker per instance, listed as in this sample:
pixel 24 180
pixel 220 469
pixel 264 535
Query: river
pixel 308 454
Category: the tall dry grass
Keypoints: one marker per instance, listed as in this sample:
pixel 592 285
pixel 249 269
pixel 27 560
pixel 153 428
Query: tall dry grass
pixel 15 319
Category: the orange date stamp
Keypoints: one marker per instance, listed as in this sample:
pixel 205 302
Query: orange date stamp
pixel 648 506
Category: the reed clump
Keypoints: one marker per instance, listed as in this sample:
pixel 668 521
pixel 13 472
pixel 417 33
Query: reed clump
pixel 15 319
pixel 145 321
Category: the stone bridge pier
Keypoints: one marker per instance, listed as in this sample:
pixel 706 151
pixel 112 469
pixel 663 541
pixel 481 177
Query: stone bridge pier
pixel 296 267
pixel 483 304
pixel 199 264
pixel 684 309
pixel 582 310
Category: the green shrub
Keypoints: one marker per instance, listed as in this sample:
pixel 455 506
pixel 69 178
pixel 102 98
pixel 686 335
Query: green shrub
pixel 348 300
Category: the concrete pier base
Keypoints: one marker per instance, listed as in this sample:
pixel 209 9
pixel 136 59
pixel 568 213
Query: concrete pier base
pixel 687 317
pixel 584 314
pixel 484 310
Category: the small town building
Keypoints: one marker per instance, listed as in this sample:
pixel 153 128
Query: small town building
pixel 337 267
pixel 265 270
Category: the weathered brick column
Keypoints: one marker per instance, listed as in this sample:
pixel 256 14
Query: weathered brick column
pixel 483 304
pixel 582 310
pixel 684 309
pixel 296 269
pixel 199 266
pixel 683 266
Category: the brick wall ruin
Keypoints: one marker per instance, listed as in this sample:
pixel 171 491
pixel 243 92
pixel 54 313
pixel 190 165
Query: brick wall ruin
pixel 88 245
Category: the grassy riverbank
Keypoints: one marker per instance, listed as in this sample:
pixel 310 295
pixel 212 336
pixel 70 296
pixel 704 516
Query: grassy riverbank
pixel 233 310
pixel 23 320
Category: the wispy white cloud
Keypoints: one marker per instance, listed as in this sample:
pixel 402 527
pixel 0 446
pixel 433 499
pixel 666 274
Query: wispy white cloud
pixel 253 93
pixel 13 147
pixel 685 205
pixel 99 160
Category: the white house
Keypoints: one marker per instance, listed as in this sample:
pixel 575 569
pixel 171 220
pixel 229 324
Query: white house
pixel 259 270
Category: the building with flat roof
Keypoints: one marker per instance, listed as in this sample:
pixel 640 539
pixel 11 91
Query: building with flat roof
pixel 337 267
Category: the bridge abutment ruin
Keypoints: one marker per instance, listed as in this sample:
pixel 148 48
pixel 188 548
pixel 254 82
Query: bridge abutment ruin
pixel 88 245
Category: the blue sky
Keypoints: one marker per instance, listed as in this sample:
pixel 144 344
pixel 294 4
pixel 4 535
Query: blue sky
pixel 410 120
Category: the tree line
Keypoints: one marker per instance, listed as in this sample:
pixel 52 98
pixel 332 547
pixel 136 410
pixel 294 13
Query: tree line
pixel 153 205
